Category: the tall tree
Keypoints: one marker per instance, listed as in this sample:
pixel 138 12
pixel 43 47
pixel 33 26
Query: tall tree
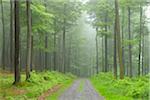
pixel 119 47
pixel 11 35
pixel 106 53
pixel 17 42
pixel 140 42
pixel 64 39
pixel 96 39
pixel 3 28
pixel 130 47
pixel 29 37
pixel 46 42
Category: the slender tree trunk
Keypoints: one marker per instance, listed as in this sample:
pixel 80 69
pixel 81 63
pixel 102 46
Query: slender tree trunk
pixel 11 36
pixel 130 47
pixel 3 28
pixel 115 53
pixel 17 32
pixel 106 53
pixel 139 62
pixel 46 47
pixel 55 52
pixel 143 46
pixel 103 54
pixel 123 40
pixel 69 54
pixel 32 56
pixel 96 39
pixel 29 40
pixel 117 30
pixel 64 40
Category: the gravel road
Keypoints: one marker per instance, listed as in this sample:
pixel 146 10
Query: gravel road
pixel 81 89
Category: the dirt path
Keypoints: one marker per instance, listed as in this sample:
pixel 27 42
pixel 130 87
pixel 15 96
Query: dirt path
pixel 82 89
pixel 50 91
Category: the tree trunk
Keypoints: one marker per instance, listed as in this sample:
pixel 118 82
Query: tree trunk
pixel 119 47
pixel 32 56
pixel 115 53
pixel 16 52
pixel 11 36
pixel 103 55
pixel 130 47
pixel 139 62
pixel 55 52
pixel 46 47
pixel 29 37
pixel 106 54
pixel 64 40
pixel 3 28
pixel 123 40
pixel 96 50
pixel 143 46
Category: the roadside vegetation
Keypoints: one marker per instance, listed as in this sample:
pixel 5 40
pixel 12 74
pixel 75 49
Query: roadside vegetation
pixel 126 89
pixel 38 83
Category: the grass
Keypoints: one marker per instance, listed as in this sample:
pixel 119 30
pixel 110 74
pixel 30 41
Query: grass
pixel 81 86
pixel 37 84
pixel 126 89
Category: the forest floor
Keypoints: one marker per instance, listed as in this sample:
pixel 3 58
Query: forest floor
pixel 81 89
pixel 40 85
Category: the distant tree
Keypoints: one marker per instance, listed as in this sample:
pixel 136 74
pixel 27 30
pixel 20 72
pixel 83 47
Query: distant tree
pixel 97 60
pixel 130 47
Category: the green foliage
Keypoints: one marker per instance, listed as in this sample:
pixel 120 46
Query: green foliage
pixel 126 89
pixel 34 87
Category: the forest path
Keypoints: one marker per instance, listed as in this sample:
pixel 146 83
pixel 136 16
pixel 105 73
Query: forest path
pixel 81 89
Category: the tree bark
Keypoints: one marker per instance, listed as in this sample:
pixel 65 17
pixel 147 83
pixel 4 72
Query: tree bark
pixel 106 53
pixel 103 69
pixel 16 52
pixel 130 47
pixel 96 39
pixel 115 53
pixel 11 36
pixel 119 47
pixel 55 52
pixel 64 40
pixel 3 28
pixel 29 37
pixel 123 56
pixel 139 62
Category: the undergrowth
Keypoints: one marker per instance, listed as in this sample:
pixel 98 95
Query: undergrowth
pixel 34 87
pixel 125 89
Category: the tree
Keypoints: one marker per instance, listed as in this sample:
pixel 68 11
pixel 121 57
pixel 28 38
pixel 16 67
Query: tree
pixel 130 47
pixel 140 42
pixel 17 42
pixel 29 40
pixel 3 48
pixel 96 39
pixel 119 47
pixel 11 35
pixel 64 39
